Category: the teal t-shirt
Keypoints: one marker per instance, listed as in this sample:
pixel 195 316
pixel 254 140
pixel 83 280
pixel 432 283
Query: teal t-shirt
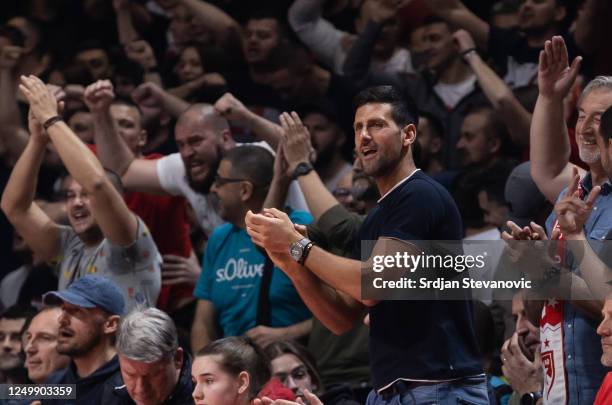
pixel 231 276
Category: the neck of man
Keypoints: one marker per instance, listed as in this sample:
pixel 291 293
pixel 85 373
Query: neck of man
pixel 456 72
pixel 254 206
pixel 395 175
pixel 598 174
pixel 88 363
pixel 537 38
pixel 92 237
pixel 17 375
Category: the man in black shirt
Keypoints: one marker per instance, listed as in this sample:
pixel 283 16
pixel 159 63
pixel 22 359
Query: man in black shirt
pixel 91 309
pixel 420 351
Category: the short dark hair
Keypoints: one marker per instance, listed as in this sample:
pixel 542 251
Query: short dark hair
pixel 120 100
pixel 241 354
pixel 434 19
pixel 16 312
pixel 605 126
pixel 267 13
pixel 403 110
pixel 252 163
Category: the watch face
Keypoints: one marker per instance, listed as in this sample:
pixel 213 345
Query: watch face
pixel 296 251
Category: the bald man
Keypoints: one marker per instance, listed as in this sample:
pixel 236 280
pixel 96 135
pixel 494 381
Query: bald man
pixel 202 136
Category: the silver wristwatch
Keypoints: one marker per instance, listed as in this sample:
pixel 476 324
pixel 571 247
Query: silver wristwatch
pixel 299 250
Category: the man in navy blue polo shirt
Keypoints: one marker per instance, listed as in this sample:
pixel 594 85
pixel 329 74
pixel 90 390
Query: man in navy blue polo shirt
pixel 420 351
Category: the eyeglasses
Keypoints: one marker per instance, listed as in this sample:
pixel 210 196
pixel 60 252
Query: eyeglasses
pixel 221 181
pixel 297 374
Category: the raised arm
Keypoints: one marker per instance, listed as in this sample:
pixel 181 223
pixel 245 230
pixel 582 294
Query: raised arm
pixel 113 152
pixel 125 28
pixel 213 18
pixel 279 186
pixel 274 231
pixel 357 64
pixel 233 109
pixel 9 109
pixel 141 53
pixel 151 95
pixel 203 329
pixel 117 222
pixel 549 144
pixel 513 114
pixel 35 227
pixel 297 150
pixel 318 34
pixel 459 16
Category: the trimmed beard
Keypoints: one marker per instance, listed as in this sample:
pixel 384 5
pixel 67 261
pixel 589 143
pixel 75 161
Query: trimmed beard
pixel 203 186
pixel 589 157
pixel 76 350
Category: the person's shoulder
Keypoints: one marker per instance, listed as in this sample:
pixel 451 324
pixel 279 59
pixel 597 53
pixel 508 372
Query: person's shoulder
pixel 58 376
pixel 220 232
pixel 422 187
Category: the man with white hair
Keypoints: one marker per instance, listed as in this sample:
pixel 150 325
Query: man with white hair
pixel 154 369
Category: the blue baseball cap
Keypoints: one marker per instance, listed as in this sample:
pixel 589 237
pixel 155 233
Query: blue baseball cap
pixel 90 292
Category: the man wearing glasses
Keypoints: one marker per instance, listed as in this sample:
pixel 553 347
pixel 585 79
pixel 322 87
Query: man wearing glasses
pixel 239 290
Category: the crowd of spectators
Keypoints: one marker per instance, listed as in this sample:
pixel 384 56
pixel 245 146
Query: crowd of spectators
pixel 186 185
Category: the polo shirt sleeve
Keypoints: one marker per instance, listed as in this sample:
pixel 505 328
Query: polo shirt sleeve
pixel 171 173
pixel 340 227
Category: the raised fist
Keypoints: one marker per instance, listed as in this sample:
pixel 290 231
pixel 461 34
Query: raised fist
pixel 99 96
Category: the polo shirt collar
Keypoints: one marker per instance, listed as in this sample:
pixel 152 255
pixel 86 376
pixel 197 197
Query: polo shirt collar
pixel 399 183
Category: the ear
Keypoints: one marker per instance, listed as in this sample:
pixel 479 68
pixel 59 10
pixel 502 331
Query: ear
pixel 410 133
pixel 246 190
pixel 111 324
pixel 227 141
pixel 494 145
pixel 244 381
pixel 142 138
pixel 178 358
pixel 560 13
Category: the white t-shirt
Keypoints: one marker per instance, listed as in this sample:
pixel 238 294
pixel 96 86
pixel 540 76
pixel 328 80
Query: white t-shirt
pixel 453 93
pixel 173 179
